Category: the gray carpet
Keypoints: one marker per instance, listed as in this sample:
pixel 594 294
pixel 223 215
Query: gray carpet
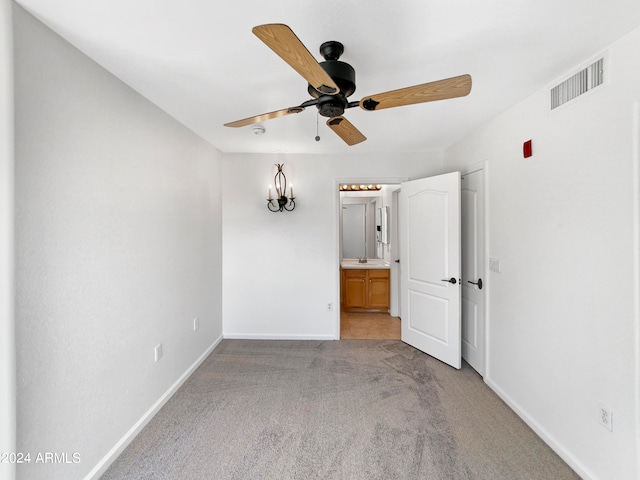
pixel 349 409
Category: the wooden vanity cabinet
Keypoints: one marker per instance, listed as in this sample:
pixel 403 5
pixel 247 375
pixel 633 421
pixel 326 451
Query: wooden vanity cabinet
pixel 365 289
pixel 354 283
pixel 378 283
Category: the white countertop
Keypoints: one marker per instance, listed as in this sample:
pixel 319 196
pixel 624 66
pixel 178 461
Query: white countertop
pixel 372 263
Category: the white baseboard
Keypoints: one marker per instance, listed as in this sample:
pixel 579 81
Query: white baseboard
pixel 262 336
pixel 118 448
pixel 549 439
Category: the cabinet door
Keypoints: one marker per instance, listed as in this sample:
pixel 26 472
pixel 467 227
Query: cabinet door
pixel 354 288
pixel 379 289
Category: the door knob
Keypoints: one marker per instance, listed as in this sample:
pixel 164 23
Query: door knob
pixel 478 283
pixel 450 280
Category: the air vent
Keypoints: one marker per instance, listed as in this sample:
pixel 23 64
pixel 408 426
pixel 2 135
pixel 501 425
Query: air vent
pixel 578 84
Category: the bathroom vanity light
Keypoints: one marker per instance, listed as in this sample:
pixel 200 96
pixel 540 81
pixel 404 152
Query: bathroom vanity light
pixel 281 202
pixel 359 188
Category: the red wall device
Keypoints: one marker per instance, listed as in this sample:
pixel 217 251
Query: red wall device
pixel 526 149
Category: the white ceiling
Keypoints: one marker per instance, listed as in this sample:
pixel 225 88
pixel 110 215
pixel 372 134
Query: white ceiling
pixel 199 61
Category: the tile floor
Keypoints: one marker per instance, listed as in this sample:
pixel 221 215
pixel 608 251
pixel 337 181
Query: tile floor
pixel 369 325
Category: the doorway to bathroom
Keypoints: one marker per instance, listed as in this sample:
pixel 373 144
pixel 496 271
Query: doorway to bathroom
pixel 368 273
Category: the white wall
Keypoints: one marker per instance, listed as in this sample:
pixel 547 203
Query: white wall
pixel 118 224
pixel 563 326
pixel 7 325
pixel 281 269
pixel 118 248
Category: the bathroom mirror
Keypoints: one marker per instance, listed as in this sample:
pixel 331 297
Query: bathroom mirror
pixel 354 230
pixel 362 231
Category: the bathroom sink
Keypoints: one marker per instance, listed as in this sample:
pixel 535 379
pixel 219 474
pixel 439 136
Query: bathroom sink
pixel 371 263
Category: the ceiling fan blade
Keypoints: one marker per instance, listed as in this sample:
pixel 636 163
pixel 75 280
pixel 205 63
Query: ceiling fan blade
pixel 345 130
pixel 426 92
pixel 281 39
pixel 264 117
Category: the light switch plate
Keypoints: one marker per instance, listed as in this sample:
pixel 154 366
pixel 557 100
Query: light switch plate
pixel 494 265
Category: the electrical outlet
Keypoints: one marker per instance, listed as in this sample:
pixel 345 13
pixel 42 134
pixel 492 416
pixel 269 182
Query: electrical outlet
pixel 329 307
pixel 605 416
pixel 196 324
pixel 158 352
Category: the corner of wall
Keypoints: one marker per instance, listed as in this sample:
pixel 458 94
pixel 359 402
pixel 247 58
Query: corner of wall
pixel 636 265
pixel 7 313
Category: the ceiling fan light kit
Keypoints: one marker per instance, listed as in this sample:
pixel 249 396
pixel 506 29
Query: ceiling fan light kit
pixel 331 83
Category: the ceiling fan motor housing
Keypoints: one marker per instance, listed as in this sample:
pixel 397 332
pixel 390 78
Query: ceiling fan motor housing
pixel 342 74
pixel 345 77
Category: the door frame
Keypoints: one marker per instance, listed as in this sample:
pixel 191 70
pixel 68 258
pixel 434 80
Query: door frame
pixel 395 305
pixel 484 166
pixel 361 179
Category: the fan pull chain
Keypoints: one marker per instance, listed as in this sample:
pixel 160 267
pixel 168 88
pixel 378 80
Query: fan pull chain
pixel 317 132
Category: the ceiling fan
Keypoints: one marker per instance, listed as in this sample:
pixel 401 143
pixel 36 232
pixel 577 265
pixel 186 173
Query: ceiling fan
pixel 331 83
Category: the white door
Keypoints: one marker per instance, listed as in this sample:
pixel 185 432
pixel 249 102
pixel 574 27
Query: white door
pixel 430 253
pixel 473 270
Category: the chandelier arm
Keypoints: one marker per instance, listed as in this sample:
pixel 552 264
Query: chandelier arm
pixel 270 205
pixel 291 203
